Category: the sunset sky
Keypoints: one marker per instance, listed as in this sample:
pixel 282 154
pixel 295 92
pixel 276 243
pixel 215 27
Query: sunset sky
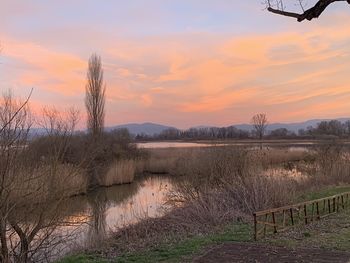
pixel 178 62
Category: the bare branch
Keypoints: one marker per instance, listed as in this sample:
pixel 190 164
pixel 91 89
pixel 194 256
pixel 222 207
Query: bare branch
pixel 309 14
pixel 260 123
pixel 17 112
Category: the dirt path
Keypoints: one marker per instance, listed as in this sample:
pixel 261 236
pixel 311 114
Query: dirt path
pixel 258 253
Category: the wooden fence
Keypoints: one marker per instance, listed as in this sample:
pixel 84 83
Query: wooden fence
pixel 279 219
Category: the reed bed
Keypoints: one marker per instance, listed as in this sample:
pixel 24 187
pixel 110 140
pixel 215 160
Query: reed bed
pixel 120 172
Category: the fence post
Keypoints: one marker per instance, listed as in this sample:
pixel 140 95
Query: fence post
pixel 291 216
pixel 332 203
pixel 255 227
pixel 274 222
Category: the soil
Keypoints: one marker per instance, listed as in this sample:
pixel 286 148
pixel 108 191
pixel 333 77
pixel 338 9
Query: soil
pixel 259 253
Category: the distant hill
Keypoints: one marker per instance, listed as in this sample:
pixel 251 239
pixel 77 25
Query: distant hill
pixel 36 132
pixel 153 128
pixel 150 129
pixel 143 128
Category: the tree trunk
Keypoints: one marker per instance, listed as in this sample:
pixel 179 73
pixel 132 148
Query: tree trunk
pixel 4 249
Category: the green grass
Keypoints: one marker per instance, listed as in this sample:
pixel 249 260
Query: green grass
pixel 334 190
pixel 332 233
pixel 178 251
pixel 82 259
pixel 189 247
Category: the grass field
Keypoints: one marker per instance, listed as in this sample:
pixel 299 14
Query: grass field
pixel 332 233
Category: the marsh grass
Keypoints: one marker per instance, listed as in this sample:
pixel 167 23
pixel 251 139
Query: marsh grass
pixel 221 186
pixel 44 182
pixel 119 172
pixel 164 161
pixel 278 156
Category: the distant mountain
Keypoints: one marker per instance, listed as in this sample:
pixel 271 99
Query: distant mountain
pixel 144 128
pixel 202 127
pixel 290 126
pixel 36 132
pixel 154 128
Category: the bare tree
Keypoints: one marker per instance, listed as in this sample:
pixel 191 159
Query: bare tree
pixel 20 109
pixel 95 96
pixel 279 7
pixel 32 188
pixel 260 123
pixel 15 124
pixel 347 127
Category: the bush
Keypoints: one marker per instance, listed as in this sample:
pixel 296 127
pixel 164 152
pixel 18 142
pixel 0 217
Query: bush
pixel 108 160
pixel 237 175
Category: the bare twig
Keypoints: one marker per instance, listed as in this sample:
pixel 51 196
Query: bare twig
pixel 309 14
pixel 17 112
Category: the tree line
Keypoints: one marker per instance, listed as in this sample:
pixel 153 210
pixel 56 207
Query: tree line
pixel 323 130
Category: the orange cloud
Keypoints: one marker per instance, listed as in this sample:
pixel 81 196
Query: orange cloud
pixel 291 75
pixel 54 70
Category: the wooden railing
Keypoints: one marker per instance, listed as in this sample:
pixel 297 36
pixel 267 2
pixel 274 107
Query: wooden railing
pixel 279 219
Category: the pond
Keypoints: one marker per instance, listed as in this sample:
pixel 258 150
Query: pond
pixel 292 146
pixel 158 145
pixel 90 218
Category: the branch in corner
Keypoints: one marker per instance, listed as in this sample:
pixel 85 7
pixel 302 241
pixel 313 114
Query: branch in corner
pixel 309 14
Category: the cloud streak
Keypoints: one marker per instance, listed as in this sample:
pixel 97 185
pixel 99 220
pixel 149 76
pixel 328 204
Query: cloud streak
pixel 195 77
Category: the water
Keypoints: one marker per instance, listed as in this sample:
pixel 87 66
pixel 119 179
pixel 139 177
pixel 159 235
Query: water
pixel 159 145
pixel 292 146
pixel 89 219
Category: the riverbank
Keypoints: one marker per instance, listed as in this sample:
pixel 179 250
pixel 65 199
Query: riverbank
pixel 332 235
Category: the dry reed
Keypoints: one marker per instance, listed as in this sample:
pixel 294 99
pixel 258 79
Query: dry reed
pixel 120 172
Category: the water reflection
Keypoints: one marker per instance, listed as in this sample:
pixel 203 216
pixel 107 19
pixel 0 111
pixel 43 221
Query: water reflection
pixel 252 144
pixel 106 209
pixel 98 203
pixel 158 145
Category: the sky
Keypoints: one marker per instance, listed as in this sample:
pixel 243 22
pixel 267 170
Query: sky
pixel 182 63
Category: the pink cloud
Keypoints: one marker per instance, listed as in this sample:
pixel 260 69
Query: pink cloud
pixel 199 78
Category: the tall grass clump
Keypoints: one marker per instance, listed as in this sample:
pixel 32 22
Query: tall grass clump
pixel 331 166
pixel 109 160
pixel 237 175
pixel 120 172
pixel 163 161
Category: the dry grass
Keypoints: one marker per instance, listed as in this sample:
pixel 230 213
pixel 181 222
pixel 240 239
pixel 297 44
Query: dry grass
pixel 120 172
pixel 166 161
pixel 47 182
pixel 213 187
pixel 162 161
pixel 237 175
pixel 331 166
pixel 218 186
pixel 278 156
pixel 196 218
